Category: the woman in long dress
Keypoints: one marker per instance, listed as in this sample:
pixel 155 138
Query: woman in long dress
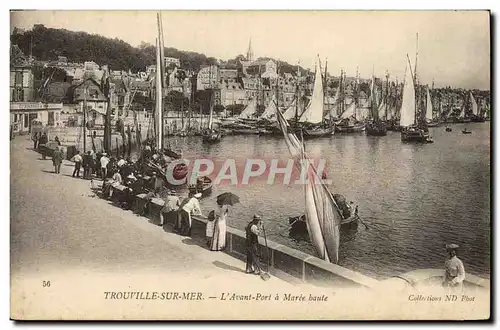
pixel 219 236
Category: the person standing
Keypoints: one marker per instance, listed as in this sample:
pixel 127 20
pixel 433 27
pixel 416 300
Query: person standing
pixel 35 140
pixel 78 163
pixel 454 271
pixel 169 212
pixel 191 207
pixel 209 230
pixel 87 164
pixel 104 165
pixel 219 235
pixel 57 160
pixel 252 244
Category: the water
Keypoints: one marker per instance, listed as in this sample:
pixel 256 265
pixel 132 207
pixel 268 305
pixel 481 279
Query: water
pixel 414 198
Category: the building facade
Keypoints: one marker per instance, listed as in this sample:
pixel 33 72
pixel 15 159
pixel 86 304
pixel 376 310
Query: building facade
pixel 25 115
pixel 21 84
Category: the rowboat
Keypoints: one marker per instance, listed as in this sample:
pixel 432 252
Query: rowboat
pixel 204 186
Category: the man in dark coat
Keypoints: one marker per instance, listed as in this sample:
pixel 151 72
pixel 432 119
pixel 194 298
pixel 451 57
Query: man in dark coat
pixel 87 163
pixel 252 244
pixel 57 160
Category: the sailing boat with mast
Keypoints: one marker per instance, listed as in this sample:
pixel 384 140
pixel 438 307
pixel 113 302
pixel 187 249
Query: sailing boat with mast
pixel 429 113
pixel 376 127
pixel 348 122
pixel 312 119
pixel 410 130
pixel 210 135
pixel 476 116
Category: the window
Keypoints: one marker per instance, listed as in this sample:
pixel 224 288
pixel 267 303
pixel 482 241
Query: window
pixel 15 118
pixel 21 95
pixel 19 78
pixel 26 121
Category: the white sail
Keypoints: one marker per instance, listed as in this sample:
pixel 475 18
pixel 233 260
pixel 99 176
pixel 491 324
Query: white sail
pixel 349 112
pixel 270 112
pixel 428 113
pixel 374 101
pixel 381 110
pixel 289 113
pixel 250 110
pixel 321 212
pixel 314 112
pixel 408 104
pixel 474 105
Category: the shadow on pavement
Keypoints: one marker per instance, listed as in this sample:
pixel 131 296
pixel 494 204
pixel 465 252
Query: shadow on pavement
pixel 227 267
pixel 51 172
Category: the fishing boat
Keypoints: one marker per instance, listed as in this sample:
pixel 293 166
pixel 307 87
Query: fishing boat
pixel 312 120
pixel 465 131
pixel 376 127
pixel 348 121
pixel 411 131
pixel 210 135
pixel 476 116
pixel 321 213
pixel 429 113
pixel 350 220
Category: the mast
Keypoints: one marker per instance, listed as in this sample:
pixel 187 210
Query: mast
pixel 297 95
pixel 386 93
pixel 159 105
pixel 85 120
pixel 356 91
pixel 107 118
pixel 325 87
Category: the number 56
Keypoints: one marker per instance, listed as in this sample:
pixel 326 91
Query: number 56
pixel 45 284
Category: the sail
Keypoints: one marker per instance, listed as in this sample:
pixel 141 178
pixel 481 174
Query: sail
pixel 349 112
pixel 374 101
pixel 408 104
pixel 314 112
pixel 381 110
pixel 474 105
pixel 428 113
pixel 289 113
pixel 250 110
pixel 271 110
pixel 321 213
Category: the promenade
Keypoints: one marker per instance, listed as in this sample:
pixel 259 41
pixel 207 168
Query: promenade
pixel 85 247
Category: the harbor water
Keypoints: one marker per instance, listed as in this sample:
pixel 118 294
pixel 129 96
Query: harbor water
pixel 415 198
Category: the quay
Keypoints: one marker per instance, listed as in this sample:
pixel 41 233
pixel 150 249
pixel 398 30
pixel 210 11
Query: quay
pixel 84 246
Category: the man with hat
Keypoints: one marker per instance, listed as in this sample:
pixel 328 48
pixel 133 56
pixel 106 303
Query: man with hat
pixel 454 273
pixel 104 165
pixel 252 244
pixel 190 206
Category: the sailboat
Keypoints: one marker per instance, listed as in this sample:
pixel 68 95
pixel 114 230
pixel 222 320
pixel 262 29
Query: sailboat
pixel 348 122
pixel 312 118
pixel 476 116
pixel 376 127
pixel 322 214
pixel 410 130
pixel 429 113
pixel 211 135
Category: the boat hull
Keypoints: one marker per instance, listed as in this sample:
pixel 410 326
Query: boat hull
pixel 316 133
pixel 415 135
pixel 376 130
pixel 350 129
pixel 212 138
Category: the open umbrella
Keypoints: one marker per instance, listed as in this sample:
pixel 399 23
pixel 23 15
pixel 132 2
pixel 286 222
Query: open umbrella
pixel 227 199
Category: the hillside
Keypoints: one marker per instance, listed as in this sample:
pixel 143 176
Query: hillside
pixel 48 43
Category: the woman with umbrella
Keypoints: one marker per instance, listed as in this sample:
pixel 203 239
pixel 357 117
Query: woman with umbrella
pixel 219 235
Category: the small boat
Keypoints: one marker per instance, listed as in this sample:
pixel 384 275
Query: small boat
pixel 465 131
pixel 356 128
pixel 298 226
pixel 430 140
pixel 376 129
pixel 204 186
pixel 316 132
pixel 211 136
pixel 448 129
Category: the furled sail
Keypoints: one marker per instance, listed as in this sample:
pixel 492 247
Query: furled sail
pixel 474 105
pixel 321 212
pixel 408 104
pixel 290 111
pixel 270 111
pixel 250 110
pixel 374 101
pixel 428 113
pixel 314 112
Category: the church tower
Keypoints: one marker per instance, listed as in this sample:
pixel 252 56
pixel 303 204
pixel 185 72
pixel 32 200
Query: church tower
pixel 250 51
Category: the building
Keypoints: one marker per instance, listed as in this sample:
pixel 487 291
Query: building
pixel 227 74
pixel 25 115
pixel 232 92
pixel 261 67
pixel 21 84
pixel 89 93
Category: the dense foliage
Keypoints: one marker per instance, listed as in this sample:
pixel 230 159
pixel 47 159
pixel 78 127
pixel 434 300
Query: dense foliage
pixel 47 43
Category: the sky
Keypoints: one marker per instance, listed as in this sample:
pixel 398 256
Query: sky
pixel 453 46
